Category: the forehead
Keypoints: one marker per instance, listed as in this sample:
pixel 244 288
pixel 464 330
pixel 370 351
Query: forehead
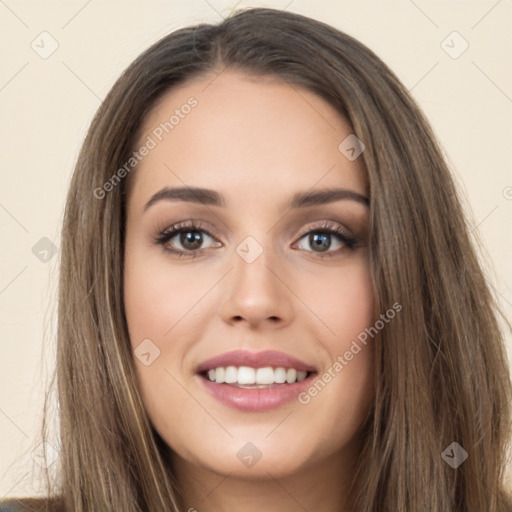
pixel 255 138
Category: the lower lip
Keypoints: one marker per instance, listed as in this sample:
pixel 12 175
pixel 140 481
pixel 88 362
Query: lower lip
pixel 254 400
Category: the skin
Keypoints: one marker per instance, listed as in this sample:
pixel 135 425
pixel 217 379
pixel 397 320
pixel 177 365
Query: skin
pixel 257 141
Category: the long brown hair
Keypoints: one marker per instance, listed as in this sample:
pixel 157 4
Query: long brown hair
pixel 442 374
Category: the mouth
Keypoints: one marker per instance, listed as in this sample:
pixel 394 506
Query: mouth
pixel 252 382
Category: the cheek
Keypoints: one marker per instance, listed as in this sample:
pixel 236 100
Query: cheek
pixel 165 316
pixel 343 301
pixel 158 296
pixel 344 389
pixel 155 302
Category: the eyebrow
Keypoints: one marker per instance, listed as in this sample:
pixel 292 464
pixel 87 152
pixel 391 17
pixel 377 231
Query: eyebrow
pixel 212 198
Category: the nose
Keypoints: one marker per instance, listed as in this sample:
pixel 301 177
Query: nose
pixel 257 291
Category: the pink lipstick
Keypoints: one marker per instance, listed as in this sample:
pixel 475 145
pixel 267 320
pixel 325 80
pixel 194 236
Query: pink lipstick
pixel 255 382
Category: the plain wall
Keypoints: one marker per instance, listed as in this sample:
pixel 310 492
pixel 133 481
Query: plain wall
pixel 46 105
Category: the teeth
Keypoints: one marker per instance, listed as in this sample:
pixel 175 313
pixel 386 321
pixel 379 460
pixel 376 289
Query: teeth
pixel 265 376
pixel 230 375
pixel 291 376
pixel 280 375
pixel 246 375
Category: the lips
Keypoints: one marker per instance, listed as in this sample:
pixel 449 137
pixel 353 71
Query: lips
pixel 270 358
pixel 254 400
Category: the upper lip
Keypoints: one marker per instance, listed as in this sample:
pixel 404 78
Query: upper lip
pixel 255 360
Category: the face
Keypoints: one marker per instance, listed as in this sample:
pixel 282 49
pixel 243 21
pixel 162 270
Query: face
pixel 249 271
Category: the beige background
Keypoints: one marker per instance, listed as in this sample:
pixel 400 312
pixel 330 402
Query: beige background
pixel 47 104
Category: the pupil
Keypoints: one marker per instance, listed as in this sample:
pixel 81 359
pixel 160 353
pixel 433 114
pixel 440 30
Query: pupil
pixel 191 237
pixel 318 239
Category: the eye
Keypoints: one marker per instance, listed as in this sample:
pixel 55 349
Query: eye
pixel 320 238
pixel 190 238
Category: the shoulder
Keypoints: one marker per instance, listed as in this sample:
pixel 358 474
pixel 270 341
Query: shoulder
pixel 30 505
pixel 10 506
pixel 7 507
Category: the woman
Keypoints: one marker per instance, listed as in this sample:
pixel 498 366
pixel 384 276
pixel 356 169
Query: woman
pixel 216 351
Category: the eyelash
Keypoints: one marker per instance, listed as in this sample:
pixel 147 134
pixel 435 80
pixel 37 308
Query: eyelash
pixel 325 228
